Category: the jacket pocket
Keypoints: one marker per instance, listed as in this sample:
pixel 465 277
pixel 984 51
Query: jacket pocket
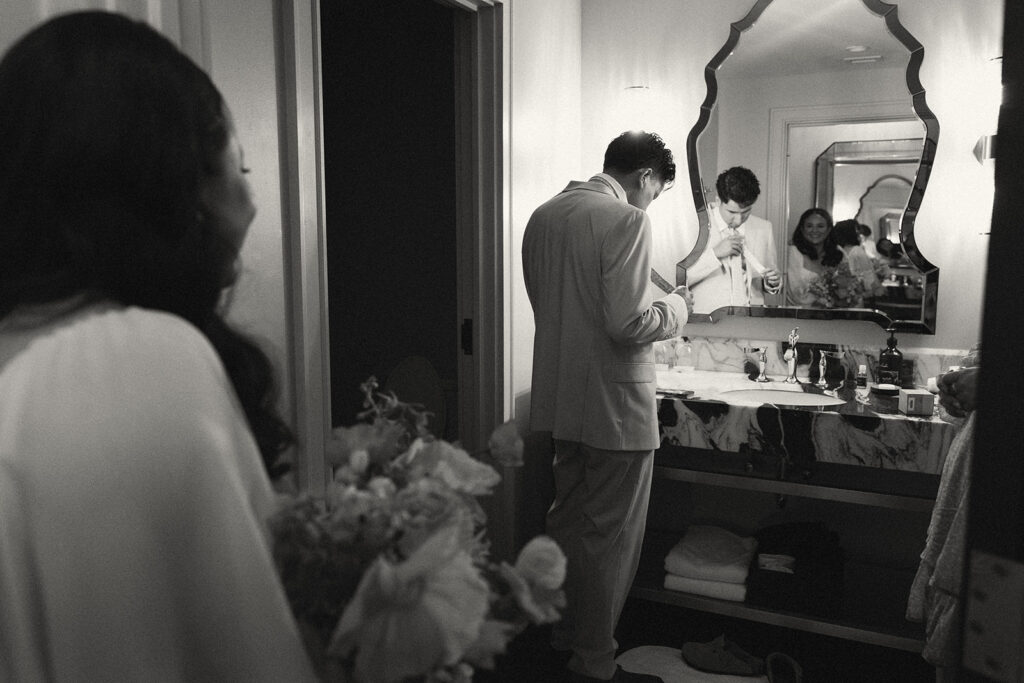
pixel 629 372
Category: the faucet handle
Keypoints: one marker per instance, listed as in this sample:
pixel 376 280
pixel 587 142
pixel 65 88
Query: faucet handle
pixel 790 356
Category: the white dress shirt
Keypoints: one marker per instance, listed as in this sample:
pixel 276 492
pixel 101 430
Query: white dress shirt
pixel 735 280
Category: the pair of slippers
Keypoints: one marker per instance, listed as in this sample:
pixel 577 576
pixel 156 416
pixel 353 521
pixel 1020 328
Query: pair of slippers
pixel 722 656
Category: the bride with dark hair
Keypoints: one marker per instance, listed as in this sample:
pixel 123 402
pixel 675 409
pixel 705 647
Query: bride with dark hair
pixel 813 249
pixel 137 428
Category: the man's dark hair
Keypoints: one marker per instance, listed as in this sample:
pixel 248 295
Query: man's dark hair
pixel 638 149
pixel 864 230
pixel 738 184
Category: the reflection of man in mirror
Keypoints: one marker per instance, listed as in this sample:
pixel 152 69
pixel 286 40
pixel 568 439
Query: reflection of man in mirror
pixel 738 265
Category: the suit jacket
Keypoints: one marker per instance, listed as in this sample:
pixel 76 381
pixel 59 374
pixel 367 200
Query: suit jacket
pixel 709 278
pixel 586 264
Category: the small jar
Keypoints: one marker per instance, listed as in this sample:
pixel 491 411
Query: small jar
pixel 684 354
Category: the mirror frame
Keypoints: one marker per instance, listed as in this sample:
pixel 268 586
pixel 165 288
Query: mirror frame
pixel 929 301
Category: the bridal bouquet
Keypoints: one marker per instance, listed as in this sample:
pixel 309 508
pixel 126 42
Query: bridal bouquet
pixel 838 287
pixel 389 575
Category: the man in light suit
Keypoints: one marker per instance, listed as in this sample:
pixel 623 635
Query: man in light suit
pixel 738 265
pixel 586 263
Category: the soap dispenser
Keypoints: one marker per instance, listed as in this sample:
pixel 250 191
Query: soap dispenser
pixel 890 361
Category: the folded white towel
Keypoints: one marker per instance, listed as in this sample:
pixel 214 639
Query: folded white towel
pixel 737 592
pixel 711 553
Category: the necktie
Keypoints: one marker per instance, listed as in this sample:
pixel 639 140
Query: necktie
pixel 740 287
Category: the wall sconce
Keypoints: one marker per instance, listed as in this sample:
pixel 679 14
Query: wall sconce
pixel 985 148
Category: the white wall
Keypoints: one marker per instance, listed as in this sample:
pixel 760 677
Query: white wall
pixel 545 142
pixel 243 65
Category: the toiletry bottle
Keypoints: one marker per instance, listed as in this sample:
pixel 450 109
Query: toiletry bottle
pixel 862 376
pixel 890 361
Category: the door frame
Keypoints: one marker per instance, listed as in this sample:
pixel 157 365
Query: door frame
pixel 480 219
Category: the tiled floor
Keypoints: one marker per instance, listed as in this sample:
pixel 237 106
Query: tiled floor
pixel 823 659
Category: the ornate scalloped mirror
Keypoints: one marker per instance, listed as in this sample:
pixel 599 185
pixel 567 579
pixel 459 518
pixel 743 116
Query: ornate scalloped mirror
pixel 818 148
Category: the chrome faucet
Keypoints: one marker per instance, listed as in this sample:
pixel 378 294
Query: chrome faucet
pixel 763 362
pixel 822 366
pixel 790 356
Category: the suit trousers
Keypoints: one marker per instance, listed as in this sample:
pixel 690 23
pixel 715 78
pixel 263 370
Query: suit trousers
pixel 598 519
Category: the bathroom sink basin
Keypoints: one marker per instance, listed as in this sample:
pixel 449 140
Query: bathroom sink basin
pixel 781 397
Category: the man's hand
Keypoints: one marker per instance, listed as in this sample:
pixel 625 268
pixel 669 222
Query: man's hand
pixel 730 246
pixel 772 280
pixel 687 295
pixel 958 391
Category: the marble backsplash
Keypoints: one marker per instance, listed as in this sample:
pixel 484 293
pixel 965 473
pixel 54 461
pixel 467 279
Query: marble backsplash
pixel 740 355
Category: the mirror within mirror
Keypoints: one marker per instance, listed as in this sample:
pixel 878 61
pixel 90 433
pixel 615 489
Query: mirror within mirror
pixel 826 55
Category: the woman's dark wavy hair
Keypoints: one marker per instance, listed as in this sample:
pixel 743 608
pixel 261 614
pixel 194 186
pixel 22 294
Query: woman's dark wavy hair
pixel 832 253
pixel 107 133
pixel 846 233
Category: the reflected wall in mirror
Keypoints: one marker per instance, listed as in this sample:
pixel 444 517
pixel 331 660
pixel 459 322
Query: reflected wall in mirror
pixel 852 70
pixel 869 181
pixel 882 205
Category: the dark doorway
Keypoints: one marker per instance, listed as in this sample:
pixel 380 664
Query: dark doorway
pixel 389 150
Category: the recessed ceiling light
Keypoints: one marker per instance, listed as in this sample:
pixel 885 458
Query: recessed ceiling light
pixel 856 48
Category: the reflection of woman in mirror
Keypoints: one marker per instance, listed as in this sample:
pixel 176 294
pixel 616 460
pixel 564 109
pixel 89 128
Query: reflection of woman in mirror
pixel 811 252
pixel 847 236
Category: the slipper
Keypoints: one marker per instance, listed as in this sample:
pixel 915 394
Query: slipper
pixel 783 669
pixel 722 656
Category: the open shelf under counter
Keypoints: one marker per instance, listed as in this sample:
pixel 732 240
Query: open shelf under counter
pixel 872 611
pixel 896 489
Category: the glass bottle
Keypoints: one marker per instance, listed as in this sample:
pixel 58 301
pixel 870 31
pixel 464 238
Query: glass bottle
pixel 890 361
pixel 684 354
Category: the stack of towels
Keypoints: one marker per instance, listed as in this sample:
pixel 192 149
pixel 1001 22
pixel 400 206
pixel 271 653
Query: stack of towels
pixel 710 561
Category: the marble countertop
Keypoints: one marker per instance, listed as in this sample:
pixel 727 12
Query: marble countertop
pixel 860 428
pixel 710 385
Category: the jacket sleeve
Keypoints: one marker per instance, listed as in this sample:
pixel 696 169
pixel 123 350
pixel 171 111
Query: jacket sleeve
pixel 629 316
